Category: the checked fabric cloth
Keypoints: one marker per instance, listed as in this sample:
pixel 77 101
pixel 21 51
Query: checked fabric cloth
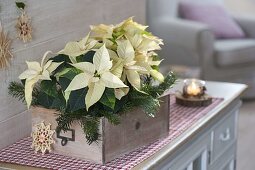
pixel 181 118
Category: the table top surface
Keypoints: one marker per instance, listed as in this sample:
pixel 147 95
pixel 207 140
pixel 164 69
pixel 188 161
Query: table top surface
pixel 227 91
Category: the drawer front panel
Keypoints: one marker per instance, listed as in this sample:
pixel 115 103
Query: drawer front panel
pixel 224 135
pixel 228 157
pixel 186 155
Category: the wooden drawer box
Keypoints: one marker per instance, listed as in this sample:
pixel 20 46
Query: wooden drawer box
pixel 224 135
pixel 136 129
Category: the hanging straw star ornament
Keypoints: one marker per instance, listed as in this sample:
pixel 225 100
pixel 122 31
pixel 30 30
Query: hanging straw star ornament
pixel 24 28
pixel 23 25
pixel 5 53
pixel 42 138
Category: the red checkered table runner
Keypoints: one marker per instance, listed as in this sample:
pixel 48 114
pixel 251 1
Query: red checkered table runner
pixel 181 118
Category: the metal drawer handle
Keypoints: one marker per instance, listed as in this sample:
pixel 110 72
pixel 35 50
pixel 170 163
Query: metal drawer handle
pixel 225 136
pixel 65 139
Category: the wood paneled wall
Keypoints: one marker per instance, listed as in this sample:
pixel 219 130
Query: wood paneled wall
pixel 54 22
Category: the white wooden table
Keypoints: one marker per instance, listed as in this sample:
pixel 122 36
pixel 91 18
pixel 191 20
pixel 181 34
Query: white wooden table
pixel 209 144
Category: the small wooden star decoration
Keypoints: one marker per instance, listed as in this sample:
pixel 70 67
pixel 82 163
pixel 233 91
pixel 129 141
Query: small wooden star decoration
pixel 42 138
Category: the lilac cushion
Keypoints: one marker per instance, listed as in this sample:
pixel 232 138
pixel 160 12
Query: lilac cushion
pixel 213 15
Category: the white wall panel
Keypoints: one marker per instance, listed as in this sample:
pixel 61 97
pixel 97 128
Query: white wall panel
pixel 54 22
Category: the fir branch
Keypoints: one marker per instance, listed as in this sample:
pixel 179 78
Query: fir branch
pixel 168 83
pixel 17 90
pixel 90 126
pixel 156 91
pixel 66 119
pixel 127 107
pixel 111 117
pixel 64 122
pixel 149 104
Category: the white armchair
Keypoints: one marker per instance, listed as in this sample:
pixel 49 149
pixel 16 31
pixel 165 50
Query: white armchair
pixel 193 44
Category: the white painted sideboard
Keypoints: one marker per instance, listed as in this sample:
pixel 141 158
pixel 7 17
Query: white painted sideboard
pixel 210 144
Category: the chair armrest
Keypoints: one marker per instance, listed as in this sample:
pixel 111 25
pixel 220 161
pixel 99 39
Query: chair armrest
pixel 247 23
pixel 188 34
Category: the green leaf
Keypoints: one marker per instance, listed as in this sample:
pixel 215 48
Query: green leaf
pixel 20 5
pixel 62 72
pixel 59 102
pixel 71 73
pixel 155 58
pixel 77 99
pixel 49 87
pixel 64 82
pixel 45 100
pixel 66 78
pixel 147 33
pixel 117 34
pixel 88 57
pixel 108 98
pixel 61 58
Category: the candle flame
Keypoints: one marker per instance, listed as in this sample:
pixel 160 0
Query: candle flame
pixel 193 89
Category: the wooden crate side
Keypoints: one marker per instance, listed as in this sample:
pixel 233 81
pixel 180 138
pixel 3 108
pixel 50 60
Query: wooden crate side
pixel 136 129
pixel 78 148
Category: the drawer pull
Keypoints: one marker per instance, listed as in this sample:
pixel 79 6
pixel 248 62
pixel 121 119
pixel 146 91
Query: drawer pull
pixel 225 136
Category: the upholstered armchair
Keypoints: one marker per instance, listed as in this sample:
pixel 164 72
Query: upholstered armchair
pixel 193 44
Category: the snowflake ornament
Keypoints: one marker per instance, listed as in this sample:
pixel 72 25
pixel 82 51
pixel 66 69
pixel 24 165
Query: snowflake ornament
pixel 42 138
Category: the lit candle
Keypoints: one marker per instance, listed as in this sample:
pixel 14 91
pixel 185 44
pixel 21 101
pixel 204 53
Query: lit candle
pixel 193 89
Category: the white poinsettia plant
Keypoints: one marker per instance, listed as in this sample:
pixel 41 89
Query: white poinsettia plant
pixel 111 70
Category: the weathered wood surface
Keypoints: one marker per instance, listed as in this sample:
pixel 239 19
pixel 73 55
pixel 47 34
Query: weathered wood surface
pixel 136 129
pixel 202 101
pixel 79 148
pixel 54 23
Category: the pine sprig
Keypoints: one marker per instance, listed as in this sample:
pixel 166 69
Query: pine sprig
pixel 111 117
pixel 66 119
pixel 149 104
pixel 17 90
pixel 156 91
pixel 127 107
pixel 168 83
pixel 90 126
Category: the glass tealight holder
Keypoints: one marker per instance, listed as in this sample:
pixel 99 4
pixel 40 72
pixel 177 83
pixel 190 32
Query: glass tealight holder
pixel 193 88
pixel 193 94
